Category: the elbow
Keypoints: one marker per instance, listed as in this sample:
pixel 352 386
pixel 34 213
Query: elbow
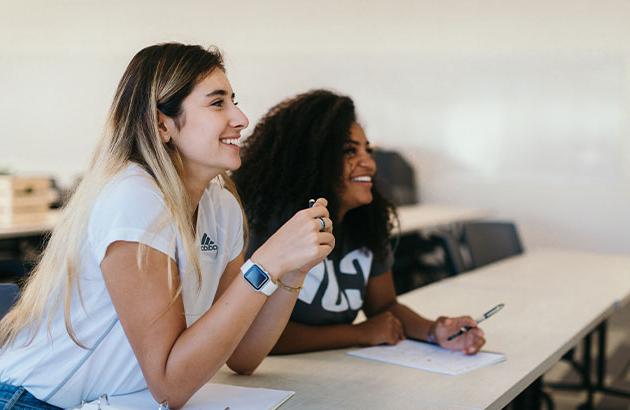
pixel 173 393
pixel 242 368
pixel 174 400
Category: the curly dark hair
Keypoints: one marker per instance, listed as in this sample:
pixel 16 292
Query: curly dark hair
pixel 296 153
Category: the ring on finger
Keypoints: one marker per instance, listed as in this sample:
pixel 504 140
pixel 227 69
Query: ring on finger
pixel 322 224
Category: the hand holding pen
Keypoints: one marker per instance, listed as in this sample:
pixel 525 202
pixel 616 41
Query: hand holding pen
pixel 461 333
pixel 481 319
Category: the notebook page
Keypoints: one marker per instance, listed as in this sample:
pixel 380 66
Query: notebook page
pixel 210 397
pixel 424 356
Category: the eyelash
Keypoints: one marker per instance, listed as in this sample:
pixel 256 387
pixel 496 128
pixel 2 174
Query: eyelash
pixel 219 103
pixel 353 151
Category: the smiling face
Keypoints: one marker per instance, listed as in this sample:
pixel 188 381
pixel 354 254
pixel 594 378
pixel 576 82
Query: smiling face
pixel 358 170
pixel 207 137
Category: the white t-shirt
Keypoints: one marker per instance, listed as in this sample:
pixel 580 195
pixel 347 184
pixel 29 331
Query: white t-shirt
pixel 53 368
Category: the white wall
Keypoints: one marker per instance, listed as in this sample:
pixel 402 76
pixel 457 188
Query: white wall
pixel 520 107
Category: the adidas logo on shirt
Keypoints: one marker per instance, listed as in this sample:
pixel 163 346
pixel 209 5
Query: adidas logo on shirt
pixel 208 245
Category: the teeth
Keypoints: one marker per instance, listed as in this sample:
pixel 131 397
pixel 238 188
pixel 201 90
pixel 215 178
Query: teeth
pixel 365 178
pixel 232 141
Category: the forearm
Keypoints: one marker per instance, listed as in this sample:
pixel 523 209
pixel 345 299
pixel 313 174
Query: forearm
pixel 299 338
pixel 263 333
pixel 415 326
pixel 200 350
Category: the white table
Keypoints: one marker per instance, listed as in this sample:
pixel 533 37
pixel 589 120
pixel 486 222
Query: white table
pixel 553 299
pixel 427 216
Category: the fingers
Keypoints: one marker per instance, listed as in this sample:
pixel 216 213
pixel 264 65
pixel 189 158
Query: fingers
pixel 321 202
pixel 320 216
pixel 463 321
pixel 400 330
pixel 474 340
pixel 317 210
pixel 321 222
pixel 328 224
pixel 395 331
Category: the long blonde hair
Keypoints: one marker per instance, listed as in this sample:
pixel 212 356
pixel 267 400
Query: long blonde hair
pixel 158 77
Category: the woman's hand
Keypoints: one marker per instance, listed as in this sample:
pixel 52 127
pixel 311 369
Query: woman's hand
pixel 469 342
pixel 380 329
pixel 299 244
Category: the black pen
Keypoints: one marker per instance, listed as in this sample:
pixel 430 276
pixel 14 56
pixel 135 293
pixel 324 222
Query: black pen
pixel 311 202
pixel 481 319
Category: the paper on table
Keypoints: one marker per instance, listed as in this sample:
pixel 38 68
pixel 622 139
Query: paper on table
pixel 428 357
pixel 210 396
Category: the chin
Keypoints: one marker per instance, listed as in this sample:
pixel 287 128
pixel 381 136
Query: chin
pixel 233 166
pixel 363 201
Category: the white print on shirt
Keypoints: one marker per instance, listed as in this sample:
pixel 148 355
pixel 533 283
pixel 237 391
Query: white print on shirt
pixel 350 298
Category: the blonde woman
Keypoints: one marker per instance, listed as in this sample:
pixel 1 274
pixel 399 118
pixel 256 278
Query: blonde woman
pixel 143 283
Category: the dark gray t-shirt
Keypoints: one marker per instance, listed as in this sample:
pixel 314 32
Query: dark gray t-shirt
pixel 335 289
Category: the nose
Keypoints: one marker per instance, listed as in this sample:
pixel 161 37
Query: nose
pixel 239 120
pixel 365 160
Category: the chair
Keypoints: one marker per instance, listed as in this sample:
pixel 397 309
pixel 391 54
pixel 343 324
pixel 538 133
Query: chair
pixel 8 295
pixel 396 178
pixel 396 181
pixel 489 242
pixel 453 260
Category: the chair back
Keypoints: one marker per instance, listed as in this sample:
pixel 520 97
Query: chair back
pixel 396 177
pixel 489 242
pixel 453 260
pixel 8 295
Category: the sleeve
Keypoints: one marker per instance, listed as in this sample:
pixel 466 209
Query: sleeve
pixel 381 266
pixel 131 209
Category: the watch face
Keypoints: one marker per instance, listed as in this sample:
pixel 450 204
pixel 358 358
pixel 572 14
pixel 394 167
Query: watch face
pixel 256 276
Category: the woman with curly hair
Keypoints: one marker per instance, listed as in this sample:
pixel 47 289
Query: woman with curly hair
pixel 312 146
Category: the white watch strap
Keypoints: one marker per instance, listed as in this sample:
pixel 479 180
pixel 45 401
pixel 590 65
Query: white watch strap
pixel 269 287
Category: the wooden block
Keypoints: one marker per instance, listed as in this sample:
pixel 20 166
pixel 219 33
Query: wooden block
pixel 26 201
pixel 24 195
pixel 17 186
pixel 23 218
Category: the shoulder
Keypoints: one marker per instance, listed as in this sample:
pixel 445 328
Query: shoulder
pixel 131 208
pixel 130 199
pixel 132 186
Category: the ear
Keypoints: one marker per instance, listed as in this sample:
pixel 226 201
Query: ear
pixel 166 127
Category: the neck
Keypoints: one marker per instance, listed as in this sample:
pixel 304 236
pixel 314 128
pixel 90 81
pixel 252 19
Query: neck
pixel 341 214
pixel 195 181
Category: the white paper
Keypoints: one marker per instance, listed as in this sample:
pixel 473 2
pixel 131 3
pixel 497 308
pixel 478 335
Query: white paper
pixel 428 357
pixel 211 396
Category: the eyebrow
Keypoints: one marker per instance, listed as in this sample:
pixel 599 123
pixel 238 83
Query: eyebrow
pixel 353 142
pixel 219 92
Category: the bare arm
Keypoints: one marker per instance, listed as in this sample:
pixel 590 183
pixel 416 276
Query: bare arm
pixel 175 360
pixel 382 296
pixel 383 326
pixel 268 325
pixel 299 338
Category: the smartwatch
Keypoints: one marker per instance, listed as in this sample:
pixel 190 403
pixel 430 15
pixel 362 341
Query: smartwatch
pixel 259 278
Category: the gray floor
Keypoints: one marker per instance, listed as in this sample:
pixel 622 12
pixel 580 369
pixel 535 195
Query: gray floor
pixel 617 375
